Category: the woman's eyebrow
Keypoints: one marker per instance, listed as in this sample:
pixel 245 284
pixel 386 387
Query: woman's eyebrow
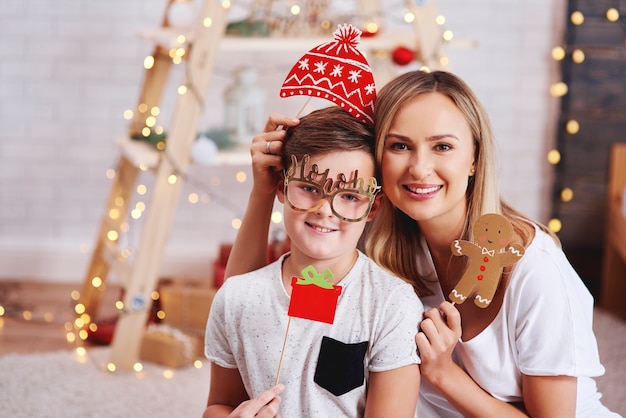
pixel 443 136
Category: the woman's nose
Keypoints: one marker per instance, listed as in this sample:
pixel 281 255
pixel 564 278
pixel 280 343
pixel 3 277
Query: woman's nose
pixel 420 165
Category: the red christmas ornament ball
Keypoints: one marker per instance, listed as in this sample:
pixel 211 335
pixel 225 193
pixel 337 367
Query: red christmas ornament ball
pixel 402 55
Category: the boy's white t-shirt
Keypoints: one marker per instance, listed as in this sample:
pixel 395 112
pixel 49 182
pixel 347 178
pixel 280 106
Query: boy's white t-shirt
pixel 544 328
pixel 374 330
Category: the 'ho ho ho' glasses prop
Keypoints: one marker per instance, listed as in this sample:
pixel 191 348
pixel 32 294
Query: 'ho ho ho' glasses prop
pixel 350 200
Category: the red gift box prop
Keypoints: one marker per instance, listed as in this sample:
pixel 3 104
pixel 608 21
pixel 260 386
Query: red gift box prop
pixel 313 302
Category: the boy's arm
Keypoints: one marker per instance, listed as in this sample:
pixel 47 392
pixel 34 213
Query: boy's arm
pixel 226 392
pixel 393 393
pixel 228 397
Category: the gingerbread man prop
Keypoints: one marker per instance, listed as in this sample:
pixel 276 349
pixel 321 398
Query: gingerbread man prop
pixel 486 259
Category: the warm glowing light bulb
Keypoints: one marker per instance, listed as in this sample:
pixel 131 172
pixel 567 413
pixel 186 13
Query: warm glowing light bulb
pixel 96 282
pixel 150 121
pixel 110 173
pixel 168 373
pixel 155 111
pixel 295 10
pixel 277 217
pixel 112 235
pixel 441 20
pixel 558 53
pixel 142 108
pixel 409 17
pixel 197 364
pixel 75 295
pixel 119 305
pixel 182 89
pixel 207 22
pixel 148 62
pixel 612 14
pixel 193 198
pixel 241 176
pixel 135 214
pixel 572 127
pixel 567 194
pixel 577 18
pixel 172 179
pixel 2 310
pixel 555 225
pixel 558 89
pixel 448 35
pixel 137 367
pixel 371 28
pixel 236 223
pixel 128 114
pixel 111 367
pixel 114 213
pixel 181 39
pixel 79 308
pixel 142 189
pixel 554 157
pixel 160 314
pixel 578 56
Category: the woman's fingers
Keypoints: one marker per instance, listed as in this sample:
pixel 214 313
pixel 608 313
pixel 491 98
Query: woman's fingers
pixel 276 120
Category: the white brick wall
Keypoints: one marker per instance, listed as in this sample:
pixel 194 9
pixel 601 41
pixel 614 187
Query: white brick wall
pixel 69 68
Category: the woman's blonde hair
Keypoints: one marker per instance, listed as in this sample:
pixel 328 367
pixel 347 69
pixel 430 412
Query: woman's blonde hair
pixel 393 238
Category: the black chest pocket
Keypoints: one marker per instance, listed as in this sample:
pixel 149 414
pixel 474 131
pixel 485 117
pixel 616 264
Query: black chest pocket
pixel 340 366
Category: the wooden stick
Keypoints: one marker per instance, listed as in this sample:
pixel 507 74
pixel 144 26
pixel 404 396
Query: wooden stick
pixel 303 106
pixel 282 353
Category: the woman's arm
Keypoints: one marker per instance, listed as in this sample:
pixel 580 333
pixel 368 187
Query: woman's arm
pixel 549 396
pixel 393 393
pixel 228 397
pixel 249 251
pixel 543 396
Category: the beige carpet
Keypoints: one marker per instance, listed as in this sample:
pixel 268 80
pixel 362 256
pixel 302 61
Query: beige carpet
pixel 611 334
pixel 60 384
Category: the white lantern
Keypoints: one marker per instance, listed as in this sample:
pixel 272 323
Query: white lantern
pixel 244 113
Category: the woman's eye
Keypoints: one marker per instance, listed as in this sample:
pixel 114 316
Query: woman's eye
pixel 443 147
pixel 398 146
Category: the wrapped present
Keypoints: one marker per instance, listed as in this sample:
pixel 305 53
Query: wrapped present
pixel 170 346
pixel 186 305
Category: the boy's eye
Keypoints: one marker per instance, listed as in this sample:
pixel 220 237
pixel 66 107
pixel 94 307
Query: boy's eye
pixel 309 189
pixel 350 197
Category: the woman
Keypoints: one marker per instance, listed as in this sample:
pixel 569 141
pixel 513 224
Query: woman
pixel 532 350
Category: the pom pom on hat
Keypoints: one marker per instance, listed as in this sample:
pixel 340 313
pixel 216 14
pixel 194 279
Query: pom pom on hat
pixel 336 71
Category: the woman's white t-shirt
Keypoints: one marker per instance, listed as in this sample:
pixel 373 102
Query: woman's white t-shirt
pixel 544 328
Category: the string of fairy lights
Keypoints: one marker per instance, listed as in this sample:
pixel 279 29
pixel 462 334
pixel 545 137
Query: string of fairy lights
pixel 78 330
pixel 560 89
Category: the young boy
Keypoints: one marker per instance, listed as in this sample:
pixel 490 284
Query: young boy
pixel 364 363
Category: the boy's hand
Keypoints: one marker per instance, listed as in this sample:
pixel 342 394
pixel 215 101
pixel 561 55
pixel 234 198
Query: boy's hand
pixel 263 406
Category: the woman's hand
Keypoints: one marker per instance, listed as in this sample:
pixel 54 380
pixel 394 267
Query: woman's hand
pixel 263 406
pixel 440 331
pixel 266 150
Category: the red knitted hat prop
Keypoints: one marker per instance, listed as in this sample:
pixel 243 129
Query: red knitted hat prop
pixel 336 71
